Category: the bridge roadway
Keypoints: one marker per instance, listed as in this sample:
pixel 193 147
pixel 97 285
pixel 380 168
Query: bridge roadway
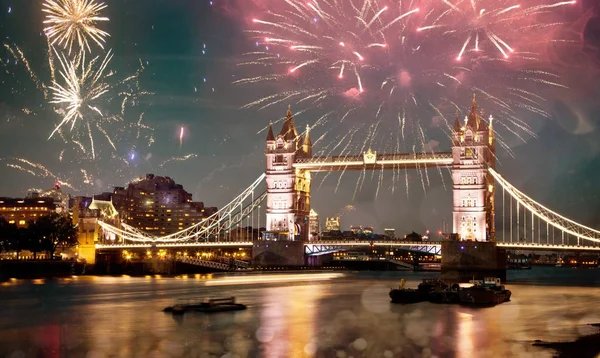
pixel 372 160
pixel 324 247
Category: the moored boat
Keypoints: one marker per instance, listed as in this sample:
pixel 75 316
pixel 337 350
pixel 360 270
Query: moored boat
pixel 488 292
pixel 420 294
pixel 448 295
pixel 205 306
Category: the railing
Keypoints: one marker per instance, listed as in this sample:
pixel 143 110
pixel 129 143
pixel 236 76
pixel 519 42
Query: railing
pixel 223 263
pixel 203 263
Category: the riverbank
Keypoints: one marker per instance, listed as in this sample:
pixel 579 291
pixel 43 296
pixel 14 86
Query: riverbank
pixel 583 347
pixel 34 269
pixel 46 269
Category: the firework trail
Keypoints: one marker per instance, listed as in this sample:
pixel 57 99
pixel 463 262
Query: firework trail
pixel 37 170
pixel 181 138
pixel 178 159
pixel 72 23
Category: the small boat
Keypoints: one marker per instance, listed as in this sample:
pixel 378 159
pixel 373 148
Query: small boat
pixel 206 306
pixel 420 294
pixel 488 292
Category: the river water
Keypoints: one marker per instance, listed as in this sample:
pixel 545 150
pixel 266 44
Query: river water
pixel 342 315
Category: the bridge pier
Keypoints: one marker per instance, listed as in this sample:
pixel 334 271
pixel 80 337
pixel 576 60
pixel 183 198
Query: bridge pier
pixel 267 253
pixel 463 261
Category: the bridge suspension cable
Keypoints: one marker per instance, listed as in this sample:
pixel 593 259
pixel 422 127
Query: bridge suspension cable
pixel 223 220
pixel 550 217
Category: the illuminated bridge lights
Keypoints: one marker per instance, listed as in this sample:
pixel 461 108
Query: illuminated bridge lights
pixel 175 244
pixel 377 161
pixel 325 247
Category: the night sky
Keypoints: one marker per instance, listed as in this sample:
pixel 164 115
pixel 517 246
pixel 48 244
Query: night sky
pixel 190 50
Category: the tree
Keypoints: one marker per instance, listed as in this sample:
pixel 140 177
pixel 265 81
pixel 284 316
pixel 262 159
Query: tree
pixel 4 234
pixel 10 237
pixel 53 231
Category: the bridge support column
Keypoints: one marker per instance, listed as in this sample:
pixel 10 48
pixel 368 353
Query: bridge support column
pixel 463 261
pixel 267 253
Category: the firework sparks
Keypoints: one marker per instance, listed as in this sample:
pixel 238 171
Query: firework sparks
pixel 485 24
pixel 83 85
pixel 73 22
pixel 81 91
pixel 386 59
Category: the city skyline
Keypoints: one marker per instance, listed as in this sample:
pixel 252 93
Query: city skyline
pixel 224 145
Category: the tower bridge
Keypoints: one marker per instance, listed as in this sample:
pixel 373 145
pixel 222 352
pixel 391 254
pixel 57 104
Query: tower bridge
pixel 523 223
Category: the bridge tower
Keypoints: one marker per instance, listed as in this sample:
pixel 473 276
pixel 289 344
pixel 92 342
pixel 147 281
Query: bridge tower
pixel 473 151
pixel 288 188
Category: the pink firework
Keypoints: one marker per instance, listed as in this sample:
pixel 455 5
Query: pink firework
pixel 491 25
pixel 389 67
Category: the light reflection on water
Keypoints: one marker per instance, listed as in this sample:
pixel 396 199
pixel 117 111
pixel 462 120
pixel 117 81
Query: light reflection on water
pixel 288 315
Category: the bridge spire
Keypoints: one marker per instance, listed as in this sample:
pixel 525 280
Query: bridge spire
pixel 270 135
pixel 288 131
pixel 473 119
pixel 456 123
pixel 307 145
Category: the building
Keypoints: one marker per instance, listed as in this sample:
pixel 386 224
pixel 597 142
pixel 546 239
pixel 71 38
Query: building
pixel 61 199
pixel 356 229
pixel 156 205
pixel 332 224
pixel 21 211
pixel 367 230
pixel 313 223
pixel 391 233
pixel 413 237
pixel 288 189
pixel 473 151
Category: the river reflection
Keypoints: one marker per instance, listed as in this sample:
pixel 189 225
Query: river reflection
pixel 289 315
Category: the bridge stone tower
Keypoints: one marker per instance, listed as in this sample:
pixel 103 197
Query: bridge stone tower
pixel 473 152
pixel 288 188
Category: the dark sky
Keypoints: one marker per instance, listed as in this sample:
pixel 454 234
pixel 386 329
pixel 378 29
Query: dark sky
pixel 190 50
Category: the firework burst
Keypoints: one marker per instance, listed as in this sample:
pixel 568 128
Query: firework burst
pixel 383 67
pixel 387 73
pixel 83 85
pixel 73 22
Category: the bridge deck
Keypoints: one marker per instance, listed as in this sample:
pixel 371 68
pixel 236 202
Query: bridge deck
pixel 370 161
pixel 336 245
